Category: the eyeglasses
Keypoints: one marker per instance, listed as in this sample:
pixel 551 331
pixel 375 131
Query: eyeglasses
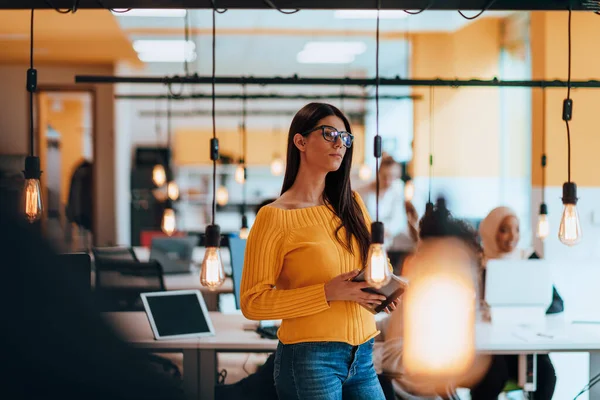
pixel 331 134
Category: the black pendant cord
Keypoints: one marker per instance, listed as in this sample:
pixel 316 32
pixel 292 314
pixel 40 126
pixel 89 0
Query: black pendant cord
pixel 431 133
pixel 544 157
pixel 187 39
pixel 377 137
pixel 31 88
pixel 169 112
pixel 244 151
pixel 569 102
pixel 214 122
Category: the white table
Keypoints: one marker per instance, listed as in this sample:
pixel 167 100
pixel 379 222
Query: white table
pixel 200 355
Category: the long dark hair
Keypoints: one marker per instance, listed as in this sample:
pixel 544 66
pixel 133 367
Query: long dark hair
pixel 338 191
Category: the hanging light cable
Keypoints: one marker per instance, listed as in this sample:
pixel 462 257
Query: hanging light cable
pixel 277 165
pixel 213 274
pixel 240 171
pixel 32 196
pixel 569 231
pixel 409 185
pixel 543 227
pixel 159 175
pixel 377 272
pixel 172 188
pixel 429 205
pixel 244 229
pixel 169 219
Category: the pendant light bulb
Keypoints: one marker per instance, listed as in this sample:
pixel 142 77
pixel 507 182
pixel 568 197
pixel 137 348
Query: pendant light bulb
pixel 212 275
pixel 277 166
pixel 173 190
pixel 159 175
pixel 377 272
pixel 543 226
pixel 364 173
pixel 409 190
pixel 168 223
pixel 439 345
pixel 244 231
pixel 32 196
pixel 240 174
pixel 222 196
pixel 569 231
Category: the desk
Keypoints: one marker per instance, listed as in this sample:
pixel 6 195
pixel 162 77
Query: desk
pixel 199 354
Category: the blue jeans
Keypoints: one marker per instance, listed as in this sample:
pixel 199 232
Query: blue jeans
pixel 326 371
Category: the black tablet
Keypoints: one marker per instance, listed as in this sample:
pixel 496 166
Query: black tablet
pixel 394 289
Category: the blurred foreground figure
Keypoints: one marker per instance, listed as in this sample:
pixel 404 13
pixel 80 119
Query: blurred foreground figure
pixel 54 343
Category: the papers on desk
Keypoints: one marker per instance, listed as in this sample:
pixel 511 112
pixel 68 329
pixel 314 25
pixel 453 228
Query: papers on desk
pixel 535 334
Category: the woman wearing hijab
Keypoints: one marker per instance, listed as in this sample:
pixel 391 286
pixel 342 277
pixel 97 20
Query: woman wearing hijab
pixel 500 237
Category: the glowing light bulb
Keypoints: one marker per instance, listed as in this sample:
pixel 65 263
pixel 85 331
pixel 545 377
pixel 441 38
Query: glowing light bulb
pixel 173 190
pixel 32 196
pixel 33 200
pixel 377 271
pixel 409 190
pixel 213 273
pixel 240 174
pixel 569 231
pixel 364 173
pixel 439 312
pixel 277 166
pixel 159 175
pixel 222 196
pixel 244 231
pixel 168 224
pixel 543 226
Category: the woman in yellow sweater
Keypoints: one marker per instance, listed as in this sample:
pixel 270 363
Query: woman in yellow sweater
pixel 302 252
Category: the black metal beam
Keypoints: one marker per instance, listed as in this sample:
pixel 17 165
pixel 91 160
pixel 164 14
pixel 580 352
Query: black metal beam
pixel 297 81
pixel 307 4
pixel 267 96
pixel 234 113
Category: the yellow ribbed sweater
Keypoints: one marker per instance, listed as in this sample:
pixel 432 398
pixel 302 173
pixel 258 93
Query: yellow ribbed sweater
pixel 290 255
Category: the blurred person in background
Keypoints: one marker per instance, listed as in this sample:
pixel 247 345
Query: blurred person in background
pixel 500 235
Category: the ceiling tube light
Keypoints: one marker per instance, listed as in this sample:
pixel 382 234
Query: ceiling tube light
pixel 32 196
pixel 212 273
pixel 369 14
pixel 569 232
pixel 150 12
pixel 543 225
pixel 377 271
pixel 165 50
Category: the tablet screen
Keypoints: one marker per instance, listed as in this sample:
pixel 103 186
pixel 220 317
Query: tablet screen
pixel 177 314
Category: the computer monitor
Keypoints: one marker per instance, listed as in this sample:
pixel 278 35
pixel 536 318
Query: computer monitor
pixel 79 269
pixel 174 254
pixel 237 249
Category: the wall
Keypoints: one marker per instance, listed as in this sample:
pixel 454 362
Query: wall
pixel 14 127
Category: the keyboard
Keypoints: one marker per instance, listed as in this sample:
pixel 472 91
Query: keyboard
pixel 267 332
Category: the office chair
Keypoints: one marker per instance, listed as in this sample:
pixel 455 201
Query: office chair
pixel 114 253
pixel 119 283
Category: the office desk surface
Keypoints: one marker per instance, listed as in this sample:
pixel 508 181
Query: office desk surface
pixel 229 334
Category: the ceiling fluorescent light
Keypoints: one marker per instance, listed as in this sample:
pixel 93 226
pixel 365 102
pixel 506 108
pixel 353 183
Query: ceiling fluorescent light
pixel 151 12
pixel 369 14
pixel 339 48
pixel 165 50
pixel 314 57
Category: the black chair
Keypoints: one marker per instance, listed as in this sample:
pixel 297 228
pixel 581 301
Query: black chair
pixel 120 283
pixel 114 253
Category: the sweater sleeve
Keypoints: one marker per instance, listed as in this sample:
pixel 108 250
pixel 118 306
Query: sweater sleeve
pixel 263 261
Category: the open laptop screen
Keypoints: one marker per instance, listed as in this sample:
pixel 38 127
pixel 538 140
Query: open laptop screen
pixel 177 314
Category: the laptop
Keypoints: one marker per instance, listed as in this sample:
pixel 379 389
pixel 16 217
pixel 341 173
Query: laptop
pixel 177 314
pixel 518 283
pixel 174 254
